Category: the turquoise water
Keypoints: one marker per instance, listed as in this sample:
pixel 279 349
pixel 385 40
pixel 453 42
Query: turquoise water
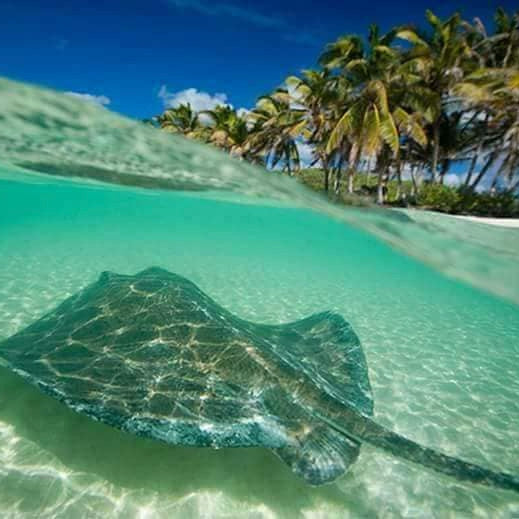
pixel 443 355
pixel 43 132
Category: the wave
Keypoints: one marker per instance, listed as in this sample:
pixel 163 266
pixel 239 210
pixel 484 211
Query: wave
pixel 49 136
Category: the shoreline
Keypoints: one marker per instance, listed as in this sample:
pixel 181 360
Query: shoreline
pixel 512 223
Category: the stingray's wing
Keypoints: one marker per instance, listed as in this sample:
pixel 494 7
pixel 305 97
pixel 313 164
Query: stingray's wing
pixel 153 355
pixel 325 347
pixel 144 354
pixel 327 350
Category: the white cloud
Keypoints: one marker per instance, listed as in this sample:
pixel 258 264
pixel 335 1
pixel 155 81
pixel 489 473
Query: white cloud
pixel 243 112
pixel 198 99
pixel 90 98
pixel 452 179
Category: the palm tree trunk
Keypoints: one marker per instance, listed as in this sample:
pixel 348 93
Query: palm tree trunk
pixel 350 181
pixel 477 153
pixel 445 167
pixel 493 184
pixel 326 173
pixel 473 162
pixel 398 180
pixel 338 175
pixel 380 188
pixel 513 188
pixel 414 189
pixel 512 167
pixel 490 160
pixel 508 54
pixel 381 163
pixel 338 178
pixel 436 150
pixel 505 169
pixel 420 175
pixel 353 162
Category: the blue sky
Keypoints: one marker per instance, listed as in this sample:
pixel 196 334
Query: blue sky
pixel 138 55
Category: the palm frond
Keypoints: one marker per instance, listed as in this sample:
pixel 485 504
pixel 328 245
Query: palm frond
pixel 411 36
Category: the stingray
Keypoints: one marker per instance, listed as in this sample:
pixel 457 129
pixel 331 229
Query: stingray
pixel 153 355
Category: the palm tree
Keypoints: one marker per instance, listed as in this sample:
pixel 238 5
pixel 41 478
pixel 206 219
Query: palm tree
pixel 451 95
pixel 358 61
pixel 497 90
pixel 277 126
pixel 380 106
pixel 221 119
pixel 232 131
pixel 505 42
pixel 316 93
pixel 370 126
pixel 499 49
pixel 441 57
pixel 492 52
pixel 365 121
pixel 181 119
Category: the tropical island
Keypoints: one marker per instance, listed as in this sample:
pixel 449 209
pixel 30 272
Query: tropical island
pixel 417 117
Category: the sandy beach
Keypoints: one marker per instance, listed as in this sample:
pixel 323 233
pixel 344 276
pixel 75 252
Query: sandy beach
pixel 501 222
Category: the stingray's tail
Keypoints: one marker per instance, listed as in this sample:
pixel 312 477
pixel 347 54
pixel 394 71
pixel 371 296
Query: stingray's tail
pixel 370 432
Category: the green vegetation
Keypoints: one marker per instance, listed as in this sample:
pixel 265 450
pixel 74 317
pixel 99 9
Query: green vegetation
pixel 390 117
pixel 459 201
pixel 435 197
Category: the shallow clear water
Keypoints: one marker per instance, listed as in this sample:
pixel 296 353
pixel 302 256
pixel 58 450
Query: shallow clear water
pixel 43 132
pixel 443 356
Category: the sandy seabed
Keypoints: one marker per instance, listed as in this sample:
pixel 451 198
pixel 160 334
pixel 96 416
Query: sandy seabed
pixel 443 361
